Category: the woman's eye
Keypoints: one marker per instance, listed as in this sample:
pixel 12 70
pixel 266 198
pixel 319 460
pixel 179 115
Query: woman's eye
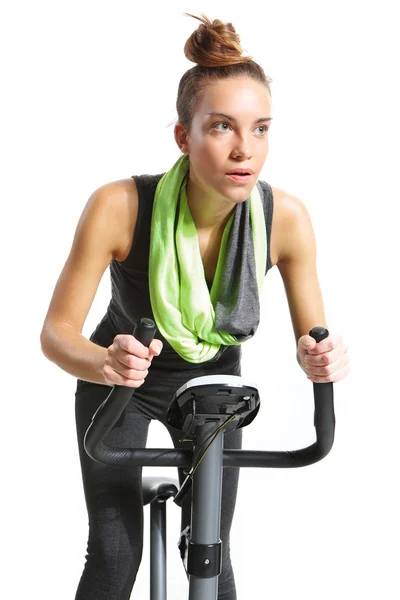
pixel 216 125
pixel 263 127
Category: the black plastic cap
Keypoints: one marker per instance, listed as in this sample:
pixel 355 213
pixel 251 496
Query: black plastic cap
pixel 318 333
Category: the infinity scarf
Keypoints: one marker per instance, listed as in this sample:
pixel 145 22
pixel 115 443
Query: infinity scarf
pixel 193 319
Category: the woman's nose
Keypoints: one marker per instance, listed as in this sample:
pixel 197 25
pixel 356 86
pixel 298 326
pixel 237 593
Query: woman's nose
pixel 242 149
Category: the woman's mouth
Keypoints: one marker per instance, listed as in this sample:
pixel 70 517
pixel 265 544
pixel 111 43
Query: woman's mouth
pixel 240 178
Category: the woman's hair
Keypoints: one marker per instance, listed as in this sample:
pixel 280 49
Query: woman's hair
pixel 215 47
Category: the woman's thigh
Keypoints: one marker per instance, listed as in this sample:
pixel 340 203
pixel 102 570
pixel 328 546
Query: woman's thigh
pixel 114 503
pixel 110 490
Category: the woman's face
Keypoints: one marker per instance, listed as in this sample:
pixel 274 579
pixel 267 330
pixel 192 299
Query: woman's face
pixel 218 144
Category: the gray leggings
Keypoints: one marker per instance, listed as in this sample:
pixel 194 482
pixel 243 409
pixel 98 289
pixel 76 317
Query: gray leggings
pixel 113 493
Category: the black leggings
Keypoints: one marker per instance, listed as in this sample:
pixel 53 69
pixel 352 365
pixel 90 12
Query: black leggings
pixel 113 493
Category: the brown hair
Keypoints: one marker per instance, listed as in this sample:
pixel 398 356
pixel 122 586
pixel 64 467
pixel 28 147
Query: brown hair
pixel 215 47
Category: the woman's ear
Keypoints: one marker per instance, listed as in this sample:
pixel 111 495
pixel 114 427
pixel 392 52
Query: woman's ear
pixel 181 138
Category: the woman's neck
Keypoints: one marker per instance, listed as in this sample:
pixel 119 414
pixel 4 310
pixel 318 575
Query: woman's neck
pixel 210 214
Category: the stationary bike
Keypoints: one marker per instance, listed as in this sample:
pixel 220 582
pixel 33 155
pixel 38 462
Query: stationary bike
pixel 204 408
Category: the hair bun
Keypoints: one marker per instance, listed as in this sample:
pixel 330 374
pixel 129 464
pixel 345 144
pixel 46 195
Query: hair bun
pixel 214 44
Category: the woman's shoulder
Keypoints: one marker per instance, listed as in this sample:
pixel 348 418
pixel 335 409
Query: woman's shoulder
pixel 118 192
pixel 122 198
pixel 279 196
pixel 287 204
pixel 289 210
pixel 122 192
pixel 147 181
pixel 125 195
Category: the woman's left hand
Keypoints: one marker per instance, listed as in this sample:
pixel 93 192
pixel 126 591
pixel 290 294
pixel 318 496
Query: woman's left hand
pixel 324 362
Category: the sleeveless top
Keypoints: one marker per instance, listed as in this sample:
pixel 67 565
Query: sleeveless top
pixel 130 297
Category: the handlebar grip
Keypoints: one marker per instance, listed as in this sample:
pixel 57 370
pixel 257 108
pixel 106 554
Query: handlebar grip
pixel 324 415
pixel 114 405
pixel 145 331
pixel 318 333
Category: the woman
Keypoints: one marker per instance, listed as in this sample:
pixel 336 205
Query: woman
pixel 167 238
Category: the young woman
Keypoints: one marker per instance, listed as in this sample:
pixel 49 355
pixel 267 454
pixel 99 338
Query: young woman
pixel 188 248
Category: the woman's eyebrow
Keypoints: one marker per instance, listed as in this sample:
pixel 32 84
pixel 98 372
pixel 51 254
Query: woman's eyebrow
pixel 230 118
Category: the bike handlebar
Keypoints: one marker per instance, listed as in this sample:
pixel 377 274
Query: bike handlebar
pixel 113 406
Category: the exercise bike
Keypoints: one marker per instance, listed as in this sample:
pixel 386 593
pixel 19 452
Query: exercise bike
pixel 204 408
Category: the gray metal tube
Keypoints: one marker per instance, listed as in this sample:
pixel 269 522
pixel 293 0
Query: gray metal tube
pixel 158 567
pixel 206 507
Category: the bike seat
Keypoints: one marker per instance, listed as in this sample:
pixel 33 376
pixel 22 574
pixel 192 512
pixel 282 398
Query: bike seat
pixel 158 488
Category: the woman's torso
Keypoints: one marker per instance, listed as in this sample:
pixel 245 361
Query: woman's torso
pixel 129 268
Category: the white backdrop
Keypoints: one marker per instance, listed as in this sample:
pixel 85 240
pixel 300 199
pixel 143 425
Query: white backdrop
pixel 89 89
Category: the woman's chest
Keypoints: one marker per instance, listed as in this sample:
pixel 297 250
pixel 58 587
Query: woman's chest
pixel 209 244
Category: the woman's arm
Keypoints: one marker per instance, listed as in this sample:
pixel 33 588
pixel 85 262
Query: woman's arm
pixel 327 361
pixel 97 241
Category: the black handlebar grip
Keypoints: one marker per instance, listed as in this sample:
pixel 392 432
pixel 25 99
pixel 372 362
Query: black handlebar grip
pixel 144 331
pixel 318 333
pixel 324 415
pixel 114 405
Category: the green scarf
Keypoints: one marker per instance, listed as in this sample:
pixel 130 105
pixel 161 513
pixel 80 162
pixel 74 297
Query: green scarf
pixel 183 307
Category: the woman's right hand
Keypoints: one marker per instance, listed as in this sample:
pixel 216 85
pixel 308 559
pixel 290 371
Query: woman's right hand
pixel 127 362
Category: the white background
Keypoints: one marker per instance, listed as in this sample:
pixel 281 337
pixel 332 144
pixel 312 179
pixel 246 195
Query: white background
pixel 88 92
